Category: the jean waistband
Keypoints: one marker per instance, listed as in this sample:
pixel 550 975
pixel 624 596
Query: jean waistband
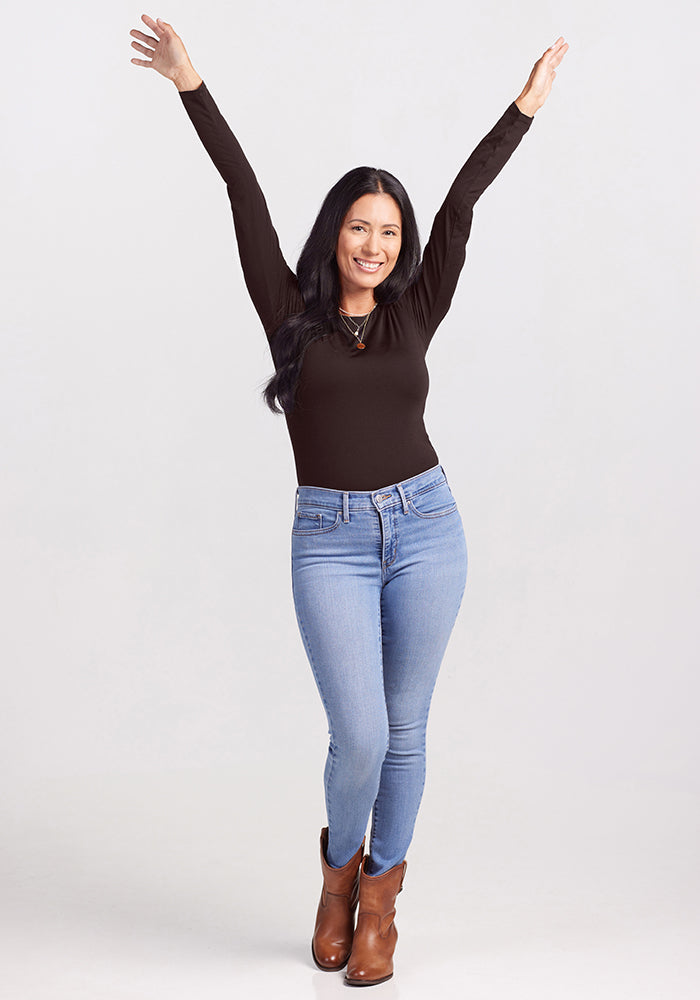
pixel 379 499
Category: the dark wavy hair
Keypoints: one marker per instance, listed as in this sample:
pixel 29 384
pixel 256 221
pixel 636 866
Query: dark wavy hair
pixel 319 282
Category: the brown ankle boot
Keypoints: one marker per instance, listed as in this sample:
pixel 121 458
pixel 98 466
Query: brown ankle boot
pixel 371 959
pixel 332 940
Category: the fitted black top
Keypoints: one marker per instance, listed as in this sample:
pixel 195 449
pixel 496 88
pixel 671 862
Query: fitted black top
pixel 357 422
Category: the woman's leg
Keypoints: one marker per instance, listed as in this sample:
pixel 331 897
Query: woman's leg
pixel 421 597
pixel 336 583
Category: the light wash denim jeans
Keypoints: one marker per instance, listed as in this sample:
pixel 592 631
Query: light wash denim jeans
pixel 378 579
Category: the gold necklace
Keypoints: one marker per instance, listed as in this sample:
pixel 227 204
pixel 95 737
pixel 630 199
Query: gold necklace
pixel 358 336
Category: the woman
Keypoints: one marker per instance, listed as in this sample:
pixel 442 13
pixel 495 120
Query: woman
pixel 379 558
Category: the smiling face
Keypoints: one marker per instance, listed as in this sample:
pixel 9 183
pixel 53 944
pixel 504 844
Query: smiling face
pixel 368 244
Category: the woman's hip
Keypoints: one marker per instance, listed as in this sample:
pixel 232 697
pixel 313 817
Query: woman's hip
pixel 370 534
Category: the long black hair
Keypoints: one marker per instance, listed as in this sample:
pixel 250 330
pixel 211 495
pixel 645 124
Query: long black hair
pixel 319 282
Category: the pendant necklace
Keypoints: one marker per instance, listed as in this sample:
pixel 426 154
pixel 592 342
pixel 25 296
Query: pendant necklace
pixel 356 332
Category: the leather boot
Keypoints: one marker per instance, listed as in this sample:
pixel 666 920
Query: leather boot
pixel 371 959
pixel 332 939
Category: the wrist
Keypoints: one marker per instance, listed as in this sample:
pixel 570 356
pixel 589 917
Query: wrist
pixel 527 104
pixel 186 78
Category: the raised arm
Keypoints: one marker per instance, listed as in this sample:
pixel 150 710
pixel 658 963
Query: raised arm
pixel 445 252
pixel 271 283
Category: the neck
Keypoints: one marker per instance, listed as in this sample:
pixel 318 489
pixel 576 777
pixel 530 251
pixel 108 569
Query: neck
pixel 357 303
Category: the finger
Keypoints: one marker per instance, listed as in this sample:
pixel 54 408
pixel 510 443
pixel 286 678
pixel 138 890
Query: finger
pixel 554 55
pixel 142 48
pixel 553 50
pixel 151 24
pixel 142 62
pixel 560 55
pixel 144 38
pixel 560 49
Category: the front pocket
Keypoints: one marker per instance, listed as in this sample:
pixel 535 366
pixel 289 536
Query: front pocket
pixel 435 502
pixel 315 521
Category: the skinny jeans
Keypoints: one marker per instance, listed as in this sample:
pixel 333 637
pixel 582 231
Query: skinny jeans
pixel 377 579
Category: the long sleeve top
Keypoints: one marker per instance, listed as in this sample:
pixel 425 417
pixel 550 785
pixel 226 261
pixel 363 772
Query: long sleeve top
pixel 357 422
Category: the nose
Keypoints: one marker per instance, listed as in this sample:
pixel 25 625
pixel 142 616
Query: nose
pixel 371 244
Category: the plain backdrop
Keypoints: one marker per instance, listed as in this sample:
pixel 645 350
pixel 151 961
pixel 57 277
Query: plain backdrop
pixel 162 738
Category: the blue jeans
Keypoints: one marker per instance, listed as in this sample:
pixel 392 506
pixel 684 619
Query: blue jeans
pixel 378 579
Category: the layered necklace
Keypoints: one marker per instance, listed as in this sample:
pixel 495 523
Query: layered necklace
pixel 350 322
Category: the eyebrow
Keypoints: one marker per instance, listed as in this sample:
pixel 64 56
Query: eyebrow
pixel 391 225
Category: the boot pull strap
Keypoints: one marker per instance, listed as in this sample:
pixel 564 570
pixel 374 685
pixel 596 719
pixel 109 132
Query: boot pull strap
pixel 403 875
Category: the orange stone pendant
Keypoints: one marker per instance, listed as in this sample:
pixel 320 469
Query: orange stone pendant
pixel 360 346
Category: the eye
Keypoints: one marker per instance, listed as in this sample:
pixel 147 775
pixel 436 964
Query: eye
pixel 357 226
pixel 390 232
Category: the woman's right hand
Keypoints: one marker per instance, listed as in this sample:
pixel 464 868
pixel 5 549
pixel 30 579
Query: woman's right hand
pixel 168 54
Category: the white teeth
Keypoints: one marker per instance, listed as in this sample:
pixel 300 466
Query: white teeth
pixel 366 264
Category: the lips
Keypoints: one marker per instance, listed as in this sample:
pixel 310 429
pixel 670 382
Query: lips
pixel 367 266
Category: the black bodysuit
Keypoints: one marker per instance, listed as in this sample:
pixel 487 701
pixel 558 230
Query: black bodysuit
pixel 358 417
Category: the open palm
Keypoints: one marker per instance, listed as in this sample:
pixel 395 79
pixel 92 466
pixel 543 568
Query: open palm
pixel 543 72
pixel 167 52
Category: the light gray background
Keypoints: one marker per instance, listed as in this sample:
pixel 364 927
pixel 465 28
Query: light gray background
pixel 163 739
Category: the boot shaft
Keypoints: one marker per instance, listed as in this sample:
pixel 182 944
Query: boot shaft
pixel 378 892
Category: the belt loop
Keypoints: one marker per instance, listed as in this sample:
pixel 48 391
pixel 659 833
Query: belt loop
pixel 296 500
pixel 346 514
pixel 445 475
pixel 404 502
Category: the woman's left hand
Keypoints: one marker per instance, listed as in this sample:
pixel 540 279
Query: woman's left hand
pixel 539 84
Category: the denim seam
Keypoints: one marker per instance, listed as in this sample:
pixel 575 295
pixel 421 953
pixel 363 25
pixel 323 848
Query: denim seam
pixel 435 513
pixel 394 533
pixel 375 808
pixel 315 531
pixel 331 755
